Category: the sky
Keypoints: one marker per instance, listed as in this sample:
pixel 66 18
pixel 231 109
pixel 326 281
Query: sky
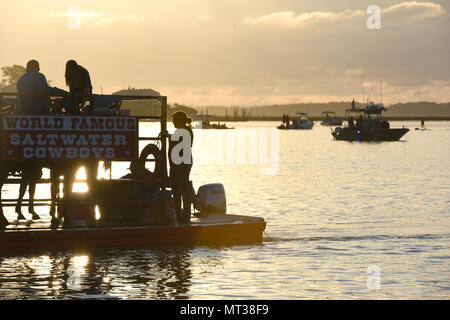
pixel 234 52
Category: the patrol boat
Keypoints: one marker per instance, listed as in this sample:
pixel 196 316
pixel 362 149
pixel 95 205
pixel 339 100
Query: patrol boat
pixel 367 124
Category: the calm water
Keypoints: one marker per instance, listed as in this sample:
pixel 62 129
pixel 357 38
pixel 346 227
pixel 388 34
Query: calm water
pixel 345 220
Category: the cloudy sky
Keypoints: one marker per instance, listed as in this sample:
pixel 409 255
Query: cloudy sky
pixel 234 52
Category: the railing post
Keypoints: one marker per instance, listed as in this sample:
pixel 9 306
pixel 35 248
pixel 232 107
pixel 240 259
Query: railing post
pixel 164 206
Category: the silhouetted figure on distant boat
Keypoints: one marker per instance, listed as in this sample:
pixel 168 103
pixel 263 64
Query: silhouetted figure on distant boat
pixel 359 123
pixel 351 123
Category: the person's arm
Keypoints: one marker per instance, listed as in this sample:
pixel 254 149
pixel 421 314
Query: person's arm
pixel 45 88
pixel 87 91
pixel 87 83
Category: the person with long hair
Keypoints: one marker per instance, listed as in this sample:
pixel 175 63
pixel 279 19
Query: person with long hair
pixel 79 82
pixel 180 165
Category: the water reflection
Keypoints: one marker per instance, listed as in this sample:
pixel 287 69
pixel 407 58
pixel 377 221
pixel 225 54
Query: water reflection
pixel 333 209
pixel 163 273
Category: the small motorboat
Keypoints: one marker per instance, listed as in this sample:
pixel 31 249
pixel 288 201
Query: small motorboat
pixel 369 126
pixel 302 123
pixel 329 118
pixel 206 124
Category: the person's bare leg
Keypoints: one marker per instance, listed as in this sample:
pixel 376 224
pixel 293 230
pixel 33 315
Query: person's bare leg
pixel 22 189
pixel 176 193
pixel 32 191
pixel 3 221
pixel 54 191
pixel 185 193
pixel 91 167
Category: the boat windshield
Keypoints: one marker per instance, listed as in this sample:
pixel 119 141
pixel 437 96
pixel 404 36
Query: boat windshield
pixel 373 111
pixel 373 116
pixel 303 115
pixel 328 114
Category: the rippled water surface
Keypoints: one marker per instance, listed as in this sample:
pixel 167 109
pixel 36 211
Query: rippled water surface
pixel 344 220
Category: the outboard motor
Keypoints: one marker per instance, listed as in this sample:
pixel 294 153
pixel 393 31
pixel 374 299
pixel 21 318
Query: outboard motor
pixel 212 198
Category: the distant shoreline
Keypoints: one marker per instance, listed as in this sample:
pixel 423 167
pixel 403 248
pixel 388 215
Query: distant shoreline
pixel 239 119
pixel 391 118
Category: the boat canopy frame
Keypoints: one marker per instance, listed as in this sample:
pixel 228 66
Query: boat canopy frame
pixel 162 137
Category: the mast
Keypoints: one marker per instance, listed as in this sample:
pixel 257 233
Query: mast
pixel 362 86
pixel 381 92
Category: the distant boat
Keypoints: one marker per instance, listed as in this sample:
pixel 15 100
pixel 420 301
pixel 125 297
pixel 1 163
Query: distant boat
pixel 206 124
pixel 330 119
pixel 302 123
pixel 369 126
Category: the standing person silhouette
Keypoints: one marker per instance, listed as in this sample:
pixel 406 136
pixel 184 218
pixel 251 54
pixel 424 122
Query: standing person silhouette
pixel 33 82
pixel 181 164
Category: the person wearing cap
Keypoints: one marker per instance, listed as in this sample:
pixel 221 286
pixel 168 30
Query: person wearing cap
pixel 32 81
pixel 179 171
pixel 143 176
pixel 137 172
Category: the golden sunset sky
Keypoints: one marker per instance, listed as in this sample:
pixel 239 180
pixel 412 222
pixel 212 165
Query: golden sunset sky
pixel 234 52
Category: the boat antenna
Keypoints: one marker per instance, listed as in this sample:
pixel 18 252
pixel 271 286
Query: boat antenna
pixel 362 86
pixel 381 92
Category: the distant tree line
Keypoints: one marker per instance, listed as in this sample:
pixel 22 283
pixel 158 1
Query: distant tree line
pixel 10 76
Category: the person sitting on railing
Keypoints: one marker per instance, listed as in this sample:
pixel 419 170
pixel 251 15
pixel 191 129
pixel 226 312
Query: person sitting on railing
pixel 34 82
pixel 79 82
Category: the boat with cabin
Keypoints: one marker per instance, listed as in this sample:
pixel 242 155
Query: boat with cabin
pixel 113 212
pixel 329 118
pixel 204 123
pixel 301 123
pixel 367 124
